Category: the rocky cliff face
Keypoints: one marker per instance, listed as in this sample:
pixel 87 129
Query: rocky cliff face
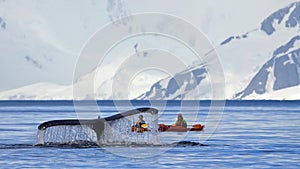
pixel 287 17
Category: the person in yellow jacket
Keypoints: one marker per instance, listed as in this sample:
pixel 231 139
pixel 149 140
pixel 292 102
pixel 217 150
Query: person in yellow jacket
pixel 141 122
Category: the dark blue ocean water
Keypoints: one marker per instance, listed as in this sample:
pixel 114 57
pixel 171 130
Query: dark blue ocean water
pixel 251 134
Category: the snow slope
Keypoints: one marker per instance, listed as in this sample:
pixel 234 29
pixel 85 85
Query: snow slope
pixel 283 69
pixel 290 93
pixel 253 49
pixel 280 72
pixel 40 41
pixel 39 91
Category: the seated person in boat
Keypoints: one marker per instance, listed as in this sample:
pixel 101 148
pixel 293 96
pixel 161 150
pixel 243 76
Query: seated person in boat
pixel 180 121
pixel 141 122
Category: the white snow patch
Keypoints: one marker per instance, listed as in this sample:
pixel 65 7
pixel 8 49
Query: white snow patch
pixel 291 93
pixel 271 79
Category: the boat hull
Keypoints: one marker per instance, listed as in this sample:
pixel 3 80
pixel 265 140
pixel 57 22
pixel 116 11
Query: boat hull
pixel 170 128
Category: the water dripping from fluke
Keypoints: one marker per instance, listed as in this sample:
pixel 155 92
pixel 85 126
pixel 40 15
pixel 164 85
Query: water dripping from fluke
pixel 113 130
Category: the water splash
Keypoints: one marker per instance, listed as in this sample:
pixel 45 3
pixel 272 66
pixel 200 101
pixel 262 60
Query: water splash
pixel 118 132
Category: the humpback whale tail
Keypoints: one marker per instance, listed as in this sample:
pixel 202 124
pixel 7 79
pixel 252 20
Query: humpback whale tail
pixel 115 129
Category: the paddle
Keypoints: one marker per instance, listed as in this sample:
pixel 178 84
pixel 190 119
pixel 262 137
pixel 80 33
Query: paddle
pixel 144 125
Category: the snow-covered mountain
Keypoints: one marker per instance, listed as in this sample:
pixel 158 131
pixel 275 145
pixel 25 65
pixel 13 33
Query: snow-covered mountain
pixel 276 37
pixel 283 69
pixel 183 85
pixel 40 41
pixel 280 72
pixel 258 62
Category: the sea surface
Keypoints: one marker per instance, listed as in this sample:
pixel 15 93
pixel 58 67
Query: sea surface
pixel 251 134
